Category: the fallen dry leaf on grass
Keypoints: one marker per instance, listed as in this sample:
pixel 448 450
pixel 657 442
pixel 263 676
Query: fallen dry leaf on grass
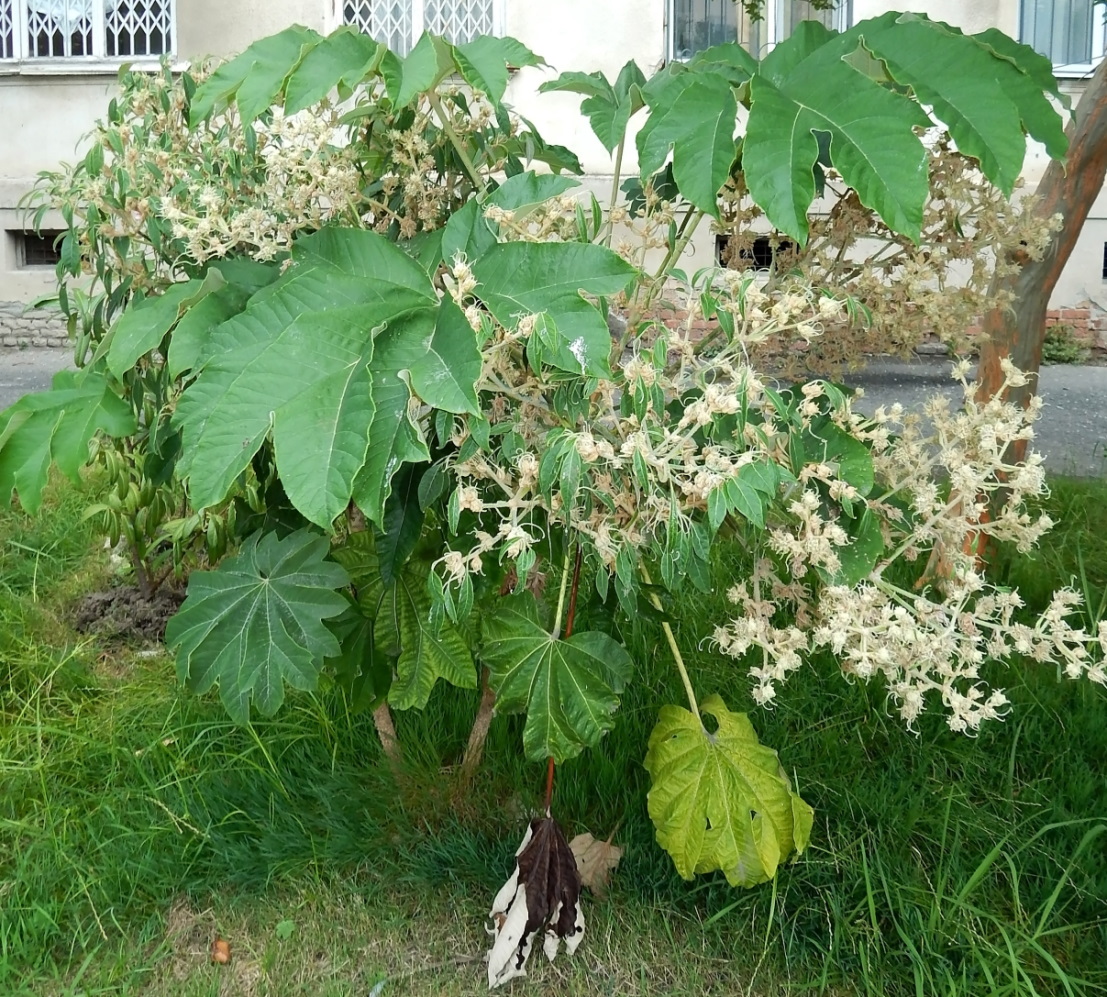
pixel 596 860
pixel 220 951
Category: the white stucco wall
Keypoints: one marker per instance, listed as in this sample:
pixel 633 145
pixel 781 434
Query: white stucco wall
pixel 44 115
pixel 45 112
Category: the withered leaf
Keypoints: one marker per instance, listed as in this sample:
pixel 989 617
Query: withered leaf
pixel 542 895
pixel 596 861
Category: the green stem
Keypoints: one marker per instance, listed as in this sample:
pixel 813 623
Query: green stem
pixel 463 153
pixel 674 254
pixel 678 658
pixel 609 225
pixel 684 235
pixel 561 597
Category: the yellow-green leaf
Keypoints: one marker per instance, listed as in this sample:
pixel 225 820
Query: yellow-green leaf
pixel 721 801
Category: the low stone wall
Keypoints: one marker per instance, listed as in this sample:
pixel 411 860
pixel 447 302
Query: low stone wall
pixel 38 327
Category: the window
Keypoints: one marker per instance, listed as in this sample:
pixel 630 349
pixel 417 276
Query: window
pixel 399 23
pixel 761 254
pixel 698 24
pixel 98 29
pixel 1070 33
pixel 37 249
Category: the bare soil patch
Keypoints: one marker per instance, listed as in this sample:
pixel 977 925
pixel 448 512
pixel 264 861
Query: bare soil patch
pixel 123 613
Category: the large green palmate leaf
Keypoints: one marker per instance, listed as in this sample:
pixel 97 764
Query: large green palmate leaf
pixel 863 90
pixel 255 78
pixel 873 144
pixel 56 426
pixel 721 800
pixel 607 106
pixel 696 117
pixel 142 327
pixel 310 385
pixel 569 689
pixel 299 67
pixel 256 622
pixel 984 97
pixel 402 629
pixel 343 58
pixel 324 359
pixel 524 278
pixel 361 670
pixel 858 97
pixel 192 335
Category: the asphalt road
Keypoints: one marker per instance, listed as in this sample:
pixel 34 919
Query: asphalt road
pixel 24 371
pixel 1072 432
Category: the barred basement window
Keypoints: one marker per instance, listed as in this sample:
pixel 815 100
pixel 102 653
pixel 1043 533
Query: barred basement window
pixel 39 249
pixel 759 256
pixel 399 23
pixel 93 29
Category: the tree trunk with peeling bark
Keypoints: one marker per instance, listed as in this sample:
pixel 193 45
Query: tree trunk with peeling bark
pixel 1068 188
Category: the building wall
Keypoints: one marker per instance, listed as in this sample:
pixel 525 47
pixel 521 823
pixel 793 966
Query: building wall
pixel 44 114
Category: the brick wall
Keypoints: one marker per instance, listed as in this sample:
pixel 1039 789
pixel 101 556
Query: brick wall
pixel 38 327
pixel 1088 323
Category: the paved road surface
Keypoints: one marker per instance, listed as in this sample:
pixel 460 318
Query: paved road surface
pixel 23 371
pixel 1072 432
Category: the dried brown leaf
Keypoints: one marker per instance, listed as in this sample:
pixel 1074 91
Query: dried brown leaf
pixel 540 900
pixel 220 951
pixel 596 860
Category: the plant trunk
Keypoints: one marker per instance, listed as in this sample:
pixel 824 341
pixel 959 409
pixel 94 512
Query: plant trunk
pixel 386 731
pixel 470 762
pixel 1067 188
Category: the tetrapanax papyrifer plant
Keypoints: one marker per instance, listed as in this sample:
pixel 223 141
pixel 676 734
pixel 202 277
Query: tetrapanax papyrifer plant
pixel 356 313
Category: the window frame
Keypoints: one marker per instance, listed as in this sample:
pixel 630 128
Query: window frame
pixel 46 65
pixel 774 17
pixel 1077 70
pixel 335 18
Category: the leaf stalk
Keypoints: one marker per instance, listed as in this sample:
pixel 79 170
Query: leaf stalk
pixel 678 658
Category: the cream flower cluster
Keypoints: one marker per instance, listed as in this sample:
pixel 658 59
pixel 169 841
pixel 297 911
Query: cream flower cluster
pixel 949 469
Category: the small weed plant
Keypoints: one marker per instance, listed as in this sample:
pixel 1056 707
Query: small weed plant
pixel 357 357
pixel 1061 345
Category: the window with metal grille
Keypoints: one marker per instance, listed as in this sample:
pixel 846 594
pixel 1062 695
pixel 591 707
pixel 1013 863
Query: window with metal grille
pixel 37 249
pixel 1071 33
pixel 93 29
pixel 762 254
pixel 698 24
pixel 399 23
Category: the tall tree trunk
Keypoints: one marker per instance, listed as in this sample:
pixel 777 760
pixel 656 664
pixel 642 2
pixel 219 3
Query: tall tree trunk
pixel 1068 188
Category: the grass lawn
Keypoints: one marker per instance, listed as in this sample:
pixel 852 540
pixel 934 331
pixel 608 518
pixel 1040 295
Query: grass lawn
pixel 137 823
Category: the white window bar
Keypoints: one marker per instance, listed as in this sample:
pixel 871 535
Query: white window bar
pixel 1070 33
pixel 399 23
pixel 698 24
pixel 111 30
